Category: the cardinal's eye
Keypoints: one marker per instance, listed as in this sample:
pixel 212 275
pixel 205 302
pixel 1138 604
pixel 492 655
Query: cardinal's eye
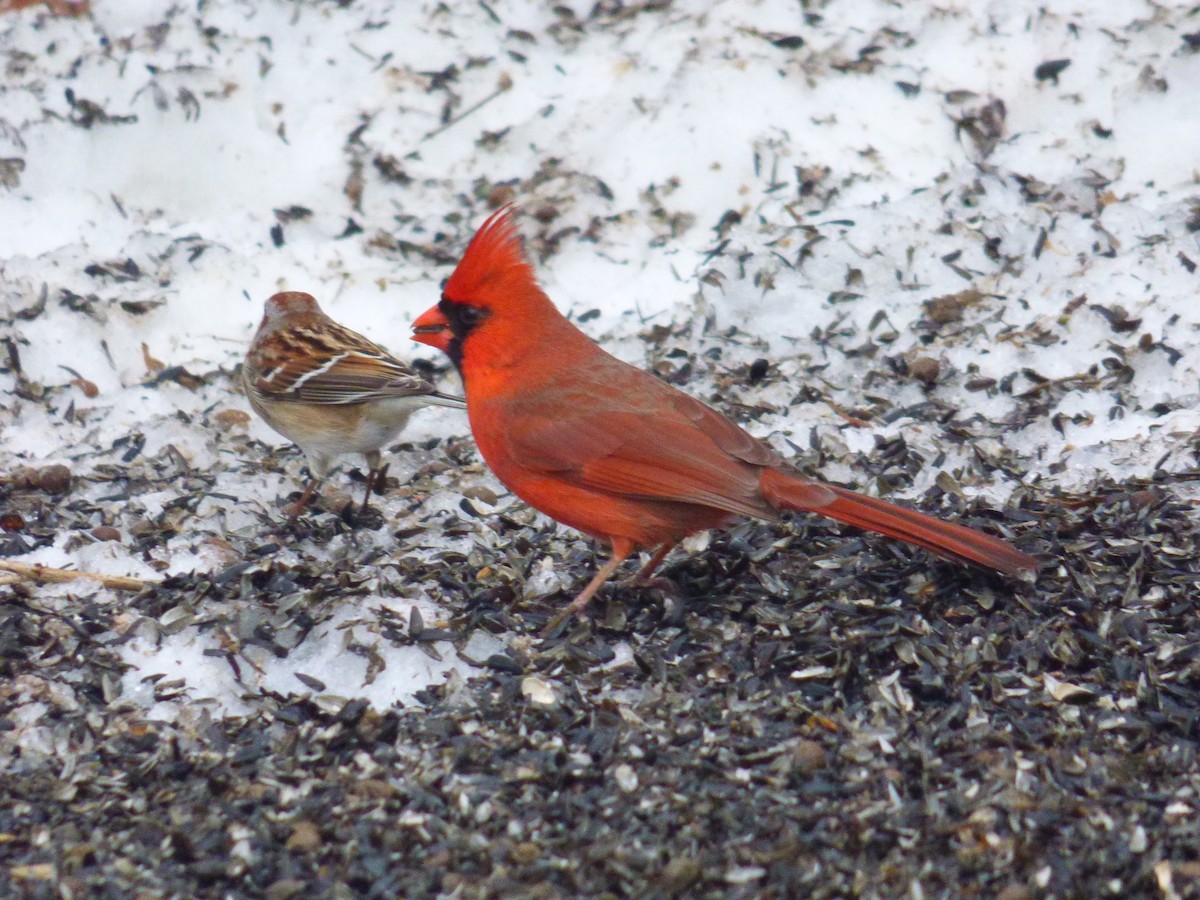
pixel 463 317
pixel 470 315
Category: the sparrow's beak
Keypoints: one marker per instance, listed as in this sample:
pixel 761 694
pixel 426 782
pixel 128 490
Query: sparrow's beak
pixel 432 328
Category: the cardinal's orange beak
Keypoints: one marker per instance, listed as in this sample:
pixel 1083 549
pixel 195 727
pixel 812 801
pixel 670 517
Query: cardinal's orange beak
pixel 432 328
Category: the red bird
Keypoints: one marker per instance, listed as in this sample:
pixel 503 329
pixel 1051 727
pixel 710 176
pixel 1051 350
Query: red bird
pixel 616 453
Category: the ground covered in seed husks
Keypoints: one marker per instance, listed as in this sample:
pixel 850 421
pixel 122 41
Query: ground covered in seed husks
pixel 945 254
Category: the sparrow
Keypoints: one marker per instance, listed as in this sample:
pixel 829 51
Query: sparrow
pixel 614 452
pixel 329 390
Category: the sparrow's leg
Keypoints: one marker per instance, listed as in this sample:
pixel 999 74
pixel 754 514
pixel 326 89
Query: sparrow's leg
pixel 294 510
pixel 376 473
pixel 318 468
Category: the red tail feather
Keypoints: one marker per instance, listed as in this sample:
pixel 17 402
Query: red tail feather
pixel 946 539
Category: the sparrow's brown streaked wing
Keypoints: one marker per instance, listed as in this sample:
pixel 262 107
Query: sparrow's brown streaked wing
pixel 331 365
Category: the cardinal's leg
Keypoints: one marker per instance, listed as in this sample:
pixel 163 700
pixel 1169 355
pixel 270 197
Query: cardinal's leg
pixel 647 570
pixel 621 550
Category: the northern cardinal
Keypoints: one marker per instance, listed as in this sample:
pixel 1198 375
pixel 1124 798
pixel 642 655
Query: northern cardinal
pixel 328 389
pixel 616 453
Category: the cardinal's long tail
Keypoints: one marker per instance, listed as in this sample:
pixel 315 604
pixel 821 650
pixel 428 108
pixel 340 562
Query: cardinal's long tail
pixel 946 539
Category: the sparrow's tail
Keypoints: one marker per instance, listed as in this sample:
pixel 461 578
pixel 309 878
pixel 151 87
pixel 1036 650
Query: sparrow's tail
pixel 437 398
pixel 946 539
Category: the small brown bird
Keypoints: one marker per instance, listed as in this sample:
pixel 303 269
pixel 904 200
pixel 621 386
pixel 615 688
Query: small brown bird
pixel 328 389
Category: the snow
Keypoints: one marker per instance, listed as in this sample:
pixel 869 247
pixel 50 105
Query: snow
pixel 325 656
pixel 193 132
